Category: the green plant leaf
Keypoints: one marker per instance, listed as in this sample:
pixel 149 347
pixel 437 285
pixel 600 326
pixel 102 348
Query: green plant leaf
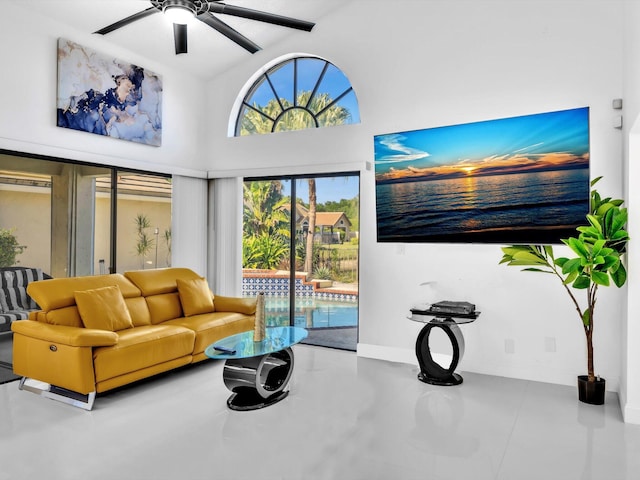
pixel 571 277
pixel 595 223
pixel 578 247
pixel 619 220
pixel 573 265
pixel 586 317
pixel 610 261
pixel 597 247
pixel 619 276
pixel 533 269
pixel 582 282
pixel 600 278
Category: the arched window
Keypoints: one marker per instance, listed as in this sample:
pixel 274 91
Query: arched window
pixel 298 93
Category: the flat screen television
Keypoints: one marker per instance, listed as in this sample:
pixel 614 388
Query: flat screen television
pixel 512 180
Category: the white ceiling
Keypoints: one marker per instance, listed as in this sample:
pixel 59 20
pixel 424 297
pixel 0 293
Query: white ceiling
pixel 152 37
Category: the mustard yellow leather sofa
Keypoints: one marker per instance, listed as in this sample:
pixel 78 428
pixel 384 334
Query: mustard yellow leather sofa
pixel 97 333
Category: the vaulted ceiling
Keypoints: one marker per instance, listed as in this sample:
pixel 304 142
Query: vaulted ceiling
pixel 209 52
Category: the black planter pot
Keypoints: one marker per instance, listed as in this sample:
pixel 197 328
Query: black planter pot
pixel 591 392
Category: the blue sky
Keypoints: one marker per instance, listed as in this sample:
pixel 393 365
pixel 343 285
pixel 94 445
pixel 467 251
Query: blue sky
pixel 518 143
pixel 327 189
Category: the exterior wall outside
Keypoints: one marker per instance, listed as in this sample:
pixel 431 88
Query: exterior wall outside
pixel 158 212
pixel 29 212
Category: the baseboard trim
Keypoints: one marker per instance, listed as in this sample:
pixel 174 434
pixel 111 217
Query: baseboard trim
pixel 396 355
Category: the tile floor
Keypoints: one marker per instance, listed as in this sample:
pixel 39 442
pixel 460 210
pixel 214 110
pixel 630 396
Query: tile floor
pixel 346 418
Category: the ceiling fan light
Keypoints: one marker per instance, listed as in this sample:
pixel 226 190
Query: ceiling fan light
pixel 178 12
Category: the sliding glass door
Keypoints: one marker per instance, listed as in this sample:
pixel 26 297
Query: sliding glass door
pixel 300 248
pixel 74 219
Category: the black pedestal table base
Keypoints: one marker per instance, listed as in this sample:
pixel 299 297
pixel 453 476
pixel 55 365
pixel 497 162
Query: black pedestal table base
pixel 258 382
pixel 430 371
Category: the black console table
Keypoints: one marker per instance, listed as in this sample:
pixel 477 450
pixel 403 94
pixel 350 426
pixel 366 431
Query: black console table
pixel 430 371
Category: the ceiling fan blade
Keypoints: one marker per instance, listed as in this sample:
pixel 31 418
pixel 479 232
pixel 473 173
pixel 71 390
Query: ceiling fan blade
pixel 127 21
pixel 180 38
pixel 228 32
pixel 218 7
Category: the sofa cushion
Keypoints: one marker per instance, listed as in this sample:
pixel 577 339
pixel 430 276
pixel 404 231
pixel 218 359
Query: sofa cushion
pixel 103 309
pixel 195 296
pixel 139 311
pixel 4 307
pixel 142 347
pixel 211 327
pixel 59 292
pixel 164 307
pixel 160 280
pixel 6 318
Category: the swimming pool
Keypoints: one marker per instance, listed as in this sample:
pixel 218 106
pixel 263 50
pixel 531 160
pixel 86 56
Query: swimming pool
pixel 311 312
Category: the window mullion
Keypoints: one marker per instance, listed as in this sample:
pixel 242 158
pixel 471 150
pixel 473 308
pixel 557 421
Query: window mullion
pixel 273 89
pixel 258 111
pixel 317 85
pixel 338 98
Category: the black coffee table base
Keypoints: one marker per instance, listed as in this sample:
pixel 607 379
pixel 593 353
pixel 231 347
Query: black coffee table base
pixel 258 382
pixel 249 399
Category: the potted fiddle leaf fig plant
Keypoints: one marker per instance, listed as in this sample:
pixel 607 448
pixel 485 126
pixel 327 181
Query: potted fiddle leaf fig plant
pixel 597 261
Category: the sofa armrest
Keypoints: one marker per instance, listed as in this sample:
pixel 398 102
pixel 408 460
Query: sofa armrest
pixel 72 336
pixel 235 304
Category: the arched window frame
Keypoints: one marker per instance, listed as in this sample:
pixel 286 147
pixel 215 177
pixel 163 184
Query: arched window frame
pixel 265 75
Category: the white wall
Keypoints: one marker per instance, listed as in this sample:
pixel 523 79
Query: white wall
pixel 630 386
pixel 28 46
pixel 428 64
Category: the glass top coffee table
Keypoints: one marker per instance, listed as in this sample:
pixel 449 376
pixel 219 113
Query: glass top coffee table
pixel 257 373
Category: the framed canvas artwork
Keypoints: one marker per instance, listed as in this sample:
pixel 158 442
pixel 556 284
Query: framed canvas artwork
pixel 513 180
pixel 102 95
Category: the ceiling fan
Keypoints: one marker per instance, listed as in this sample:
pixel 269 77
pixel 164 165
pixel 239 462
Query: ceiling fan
pixel 180 11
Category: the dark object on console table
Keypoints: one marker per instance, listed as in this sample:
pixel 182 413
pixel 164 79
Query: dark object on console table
pixel 445 315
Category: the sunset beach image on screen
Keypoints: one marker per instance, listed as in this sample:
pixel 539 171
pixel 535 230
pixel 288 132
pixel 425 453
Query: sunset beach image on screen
pixel 513 180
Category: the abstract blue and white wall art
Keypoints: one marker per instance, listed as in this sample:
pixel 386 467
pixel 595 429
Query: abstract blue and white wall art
pixel 513 180
pixel 106 96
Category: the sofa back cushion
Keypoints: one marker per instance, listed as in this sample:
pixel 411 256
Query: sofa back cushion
pixel 140 314
pixel 160 280
pixel 163 307
pixel 60 292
